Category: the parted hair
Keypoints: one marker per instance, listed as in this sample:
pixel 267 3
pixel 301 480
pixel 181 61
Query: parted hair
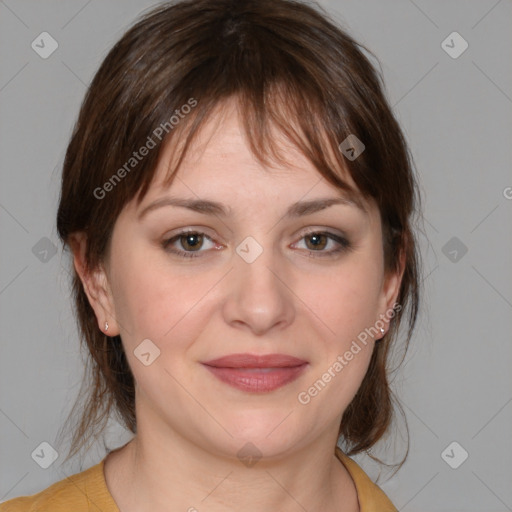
pixel 291 67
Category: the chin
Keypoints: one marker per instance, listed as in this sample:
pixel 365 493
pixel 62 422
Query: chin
pixel 271 433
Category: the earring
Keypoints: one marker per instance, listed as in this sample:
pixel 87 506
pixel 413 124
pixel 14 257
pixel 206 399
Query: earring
pixel 106 326
pixel 382 331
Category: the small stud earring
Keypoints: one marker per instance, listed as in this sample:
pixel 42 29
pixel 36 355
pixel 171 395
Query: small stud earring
pixel 106 326
pixel 382 331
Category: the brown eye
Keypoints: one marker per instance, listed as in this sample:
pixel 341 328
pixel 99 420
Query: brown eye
pixel 325 244
pixel 318 241
pixel 188 244
pixel 191 241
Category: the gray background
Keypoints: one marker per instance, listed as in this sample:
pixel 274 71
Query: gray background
pixel 456 113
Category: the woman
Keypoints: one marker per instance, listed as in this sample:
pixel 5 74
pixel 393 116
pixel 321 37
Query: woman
pixel 237 197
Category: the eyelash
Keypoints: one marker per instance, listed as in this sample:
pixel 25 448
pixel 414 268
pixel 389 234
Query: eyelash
pixel 343 244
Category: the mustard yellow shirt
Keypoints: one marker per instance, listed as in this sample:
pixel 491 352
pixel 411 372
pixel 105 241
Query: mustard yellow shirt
pixel 87 491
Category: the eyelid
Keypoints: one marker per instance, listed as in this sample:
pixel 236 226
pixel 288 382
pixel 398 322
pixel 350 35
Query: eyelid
pixel 322 229
pixel 201 230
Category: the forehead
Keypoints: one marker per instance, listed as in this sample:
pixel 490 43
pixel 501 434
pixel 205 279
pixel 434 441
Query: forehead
pixel 221 158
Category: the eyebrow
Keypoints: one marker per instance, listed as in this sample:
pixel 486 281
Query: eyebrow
pixel 298 209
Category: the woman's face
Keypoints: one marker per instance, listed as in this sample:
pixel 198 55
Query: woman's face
pixel 261 279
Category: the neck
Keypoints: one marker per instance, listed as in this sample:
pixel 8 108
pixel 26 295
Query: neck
pixel 156 472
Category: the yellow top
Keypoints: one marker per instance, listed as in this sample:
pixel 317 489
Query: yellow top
pixel 87 491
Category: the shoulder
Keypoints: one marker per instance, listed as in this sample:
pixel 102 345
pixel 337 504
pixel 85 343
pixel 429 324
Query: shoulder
pixel 371 497
pixel 79 492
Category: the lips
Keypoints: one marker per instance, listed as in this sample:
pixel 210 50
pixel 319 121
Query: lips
pixel 256 373
pixel 256 361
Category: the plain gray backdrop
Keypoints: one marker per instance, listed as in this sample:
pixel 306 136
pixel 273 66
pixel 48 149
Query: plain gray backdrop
pixel 455 108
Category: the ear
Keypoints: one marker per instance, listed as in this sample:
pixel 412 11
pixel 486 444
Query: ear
pixel 390 290
pixel 96 286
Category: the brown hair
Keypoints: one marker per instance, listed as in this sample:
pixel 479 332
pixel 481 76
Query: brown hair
pixel 289 66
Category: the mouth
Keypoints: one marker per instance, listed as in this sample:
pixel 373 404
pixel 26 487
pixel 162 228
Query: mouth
pixel 256 374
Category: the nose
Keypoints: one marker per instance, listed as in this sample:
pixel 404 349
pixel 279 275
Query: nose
pixel 259 298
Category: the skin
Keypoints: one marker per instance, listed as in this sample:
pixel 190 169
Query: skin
pixel 290 300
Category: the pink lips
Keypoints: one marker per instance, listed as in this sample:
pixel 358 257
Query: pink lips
pixel 256 373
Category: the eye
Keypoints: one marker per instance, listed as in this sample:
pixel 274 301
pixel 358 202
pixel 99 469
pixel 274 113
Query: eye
pixel 192 242
pixel 317 241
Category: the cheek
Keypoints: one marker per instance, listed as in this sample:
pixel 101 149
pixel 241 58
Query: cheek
pixel 149 305
pixel 345 300
pixel 347 308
